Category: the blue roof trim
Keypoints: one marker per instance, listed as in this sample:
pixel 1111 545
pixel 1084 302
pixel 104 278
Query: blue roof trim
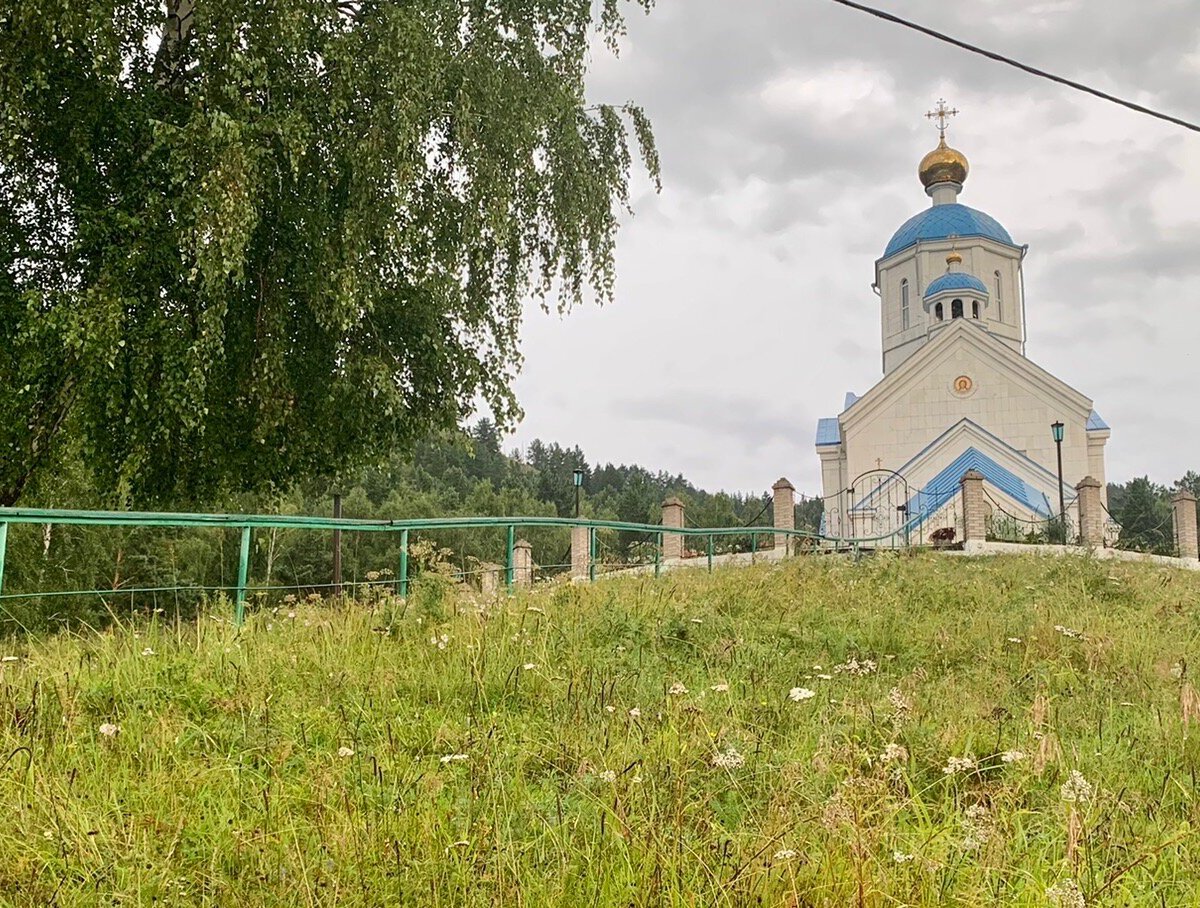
pixel 943 221
pixel 1096 422
pixel 851 400
pixel 955 280
pixel 829 431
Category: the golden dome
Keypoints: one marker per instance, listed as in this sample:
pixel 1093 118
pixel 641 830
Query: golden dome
pixel 943 165
pixel 954 258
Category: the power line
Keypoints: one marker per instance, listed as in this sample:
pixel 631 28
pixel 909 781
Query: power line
pixel 1000 58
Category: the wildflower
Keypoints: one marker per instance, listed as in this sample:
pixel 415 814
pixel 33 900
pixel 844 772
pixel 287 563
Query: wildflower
pixel 894 753
pixel 608 776
pixel 535 610
pixel 454 758
pixel 10 658
pixel 901 705
pixel 785 854
pixel 720 688
pixel 635 713
pixel 729 759
pixel 1069 632
pixel 289 598
pixel 292 616
pixel 439 640
pixel 609 708
pixel 977 826
pixel 344 751
pixel 148 652
pixel 1015 640
pixel 697 620
pixel 901 857
pixel 1077 789
pixel 372 576
pixel 109 730
pixel 1066 894
pixel 677 689
pixel 797 694
pixel 1177 670
pixel 529 666
pixel 854 666
pixel 955 765
pixel 825 677
pixel 1012 756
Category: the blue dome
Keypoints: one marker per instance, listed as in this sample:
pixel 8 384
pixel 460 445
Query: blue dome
pixel 955 280
pixel 943 221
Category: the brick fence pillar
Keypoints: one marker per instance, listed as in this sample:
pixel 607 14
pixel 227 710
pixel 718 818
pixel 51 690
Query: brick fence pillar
pixel 784 504
pixel 580 556
pixel 1183 503
pixel 974 512
pixel 490 576
pixel 522 563
pixel 672 516
pixel 1091 513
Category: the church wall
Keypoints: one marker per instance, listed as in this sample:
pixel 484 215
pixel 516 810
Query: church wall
pixel 998 404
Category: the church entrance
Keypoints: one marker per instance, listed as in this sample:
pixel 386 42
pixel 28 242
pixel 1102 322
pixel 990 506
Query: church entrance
pixel 880 506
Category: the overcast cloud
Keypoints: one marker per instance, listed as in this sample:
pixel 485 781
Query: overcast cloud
pixel 790 132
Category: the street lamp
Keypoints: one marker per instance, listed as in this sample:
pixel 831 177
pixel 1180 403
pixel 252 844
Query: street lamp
pixel 578 477
pixel 1057 428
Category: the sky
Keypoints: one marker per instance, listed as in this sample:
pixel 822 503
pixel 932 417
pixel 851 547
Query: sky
pixel 790 132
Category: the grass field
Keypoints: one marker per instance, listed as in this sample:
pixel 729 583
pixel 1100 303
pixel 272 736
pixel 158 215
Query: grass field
pixel 903 731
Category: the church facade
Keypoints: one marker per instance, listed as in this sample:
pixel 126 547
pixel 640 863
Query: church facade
pixel 957 392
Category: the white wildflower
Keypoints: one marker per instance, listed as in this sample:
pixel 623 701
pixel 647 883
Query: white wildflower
pixel 529 666
pixel 372 576
pixel 728 759
pixel 1066 894
pixel 697 620
pixel 1069 632
pixel 720 688
pixel 677 689
pixel 854 666
pixel 1177 670
pixel 454 758
pixel 797 694
pixel 535 610
pixel 292 616
pixel 977 827
pixel 1015 640
pixel 955 765
pixel 901 705
pixel 608 776
pixel 1077 789
pixel 785 854
pixel 1012 756
pixel 439 640
pixel 148 652
pixel 344 751
pixel 635 713
pixel 609 708
pixel 109 730
pixel 901 857
pixel 825 677
pixel 894 753
pixel 10 658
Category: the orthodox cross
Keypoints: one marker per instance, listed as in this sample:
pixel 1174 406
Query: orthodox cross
pixel 878 463
pixel 942 113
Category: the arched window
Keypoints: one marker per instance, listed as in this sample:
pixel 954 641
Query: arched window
pixel 974 309
pixel 956 309
pixel 904 304
pixel 939 312
pixel 999 299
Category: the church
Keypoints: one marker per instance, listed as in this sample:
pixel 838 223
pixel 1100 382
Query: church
pixel 957 392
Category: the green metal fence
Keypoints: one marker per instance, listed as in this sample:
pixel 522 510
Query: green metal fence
pixel 247 524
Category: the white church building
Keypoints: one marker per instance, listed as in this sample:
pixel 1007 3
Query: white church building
pixel 957 391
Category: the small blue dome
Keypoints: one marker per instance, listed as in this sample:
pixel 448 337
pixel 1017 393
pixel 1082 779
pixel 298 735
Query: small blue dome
pixel 955 280
pixel 943 221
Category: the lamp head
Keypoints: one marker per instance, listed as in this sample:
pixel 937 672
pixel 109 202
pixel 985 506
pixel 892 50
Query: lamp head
pixel 1057 429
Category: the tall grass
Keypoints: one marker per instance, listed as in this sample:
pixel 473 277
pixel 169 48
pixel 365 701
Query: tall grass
pixel 636 742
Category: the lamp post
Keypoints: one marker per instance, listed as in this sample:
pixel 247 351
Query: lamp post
pixel 578 477
pixel 1057 428
pixel 902 511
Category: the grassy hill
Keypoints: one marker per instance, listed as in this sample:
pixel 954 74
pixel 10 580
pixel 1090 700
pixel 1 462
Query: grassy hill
pixel 904 731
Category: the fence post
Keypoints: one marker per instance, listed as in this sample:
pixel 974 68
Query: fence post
pixel 337 546
pixel 974 513
pixel 403 563
pixel 508 571
pixel 1091 515
pixel 1183 506
pixel 239 614
pixel 657 555
pixel 593 552
pixel 672 516
pixel 523 563
pixel 3 549
pixel 710 552
pixel 581 539
pixel 784 505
